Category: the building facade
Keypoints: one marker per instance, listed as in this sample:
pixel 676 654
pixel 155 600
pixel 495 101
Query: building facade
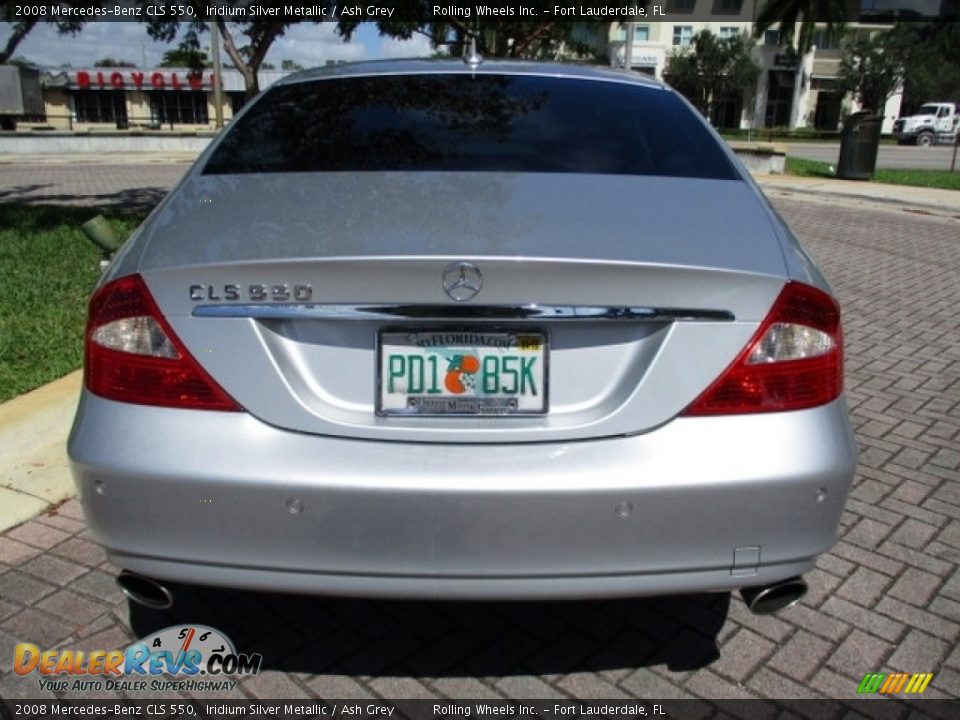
pixel 793 91
pixel 134 98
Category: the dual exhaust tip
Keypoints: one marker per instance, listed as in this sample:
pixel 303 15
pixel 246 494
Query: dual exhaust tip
pixel 145 591
pixel 762 600
pixel 768 599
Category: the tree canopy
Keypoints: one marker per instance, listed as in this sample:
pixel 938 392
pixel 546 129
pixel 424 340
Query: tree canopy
pixel 194 59
pixel 931 57
pixel 499 38
pixel 108 62
pixel 872 69
pixel 787 13
pixel 712 68
pixel 246 55
pixel 20 29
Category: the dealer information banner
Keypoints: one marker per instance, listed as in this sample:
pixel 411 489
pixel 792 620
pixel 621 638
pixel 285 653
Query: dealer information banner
pixel 508 709
pixel 397 10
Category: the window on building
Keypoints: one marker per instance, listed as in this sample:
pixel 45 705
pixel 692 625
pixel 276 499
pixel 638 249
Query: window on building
pixel 178 107
pixel 731 6
pixel 682 34
pixel 100 106
pixel 824 40
pixel 729 32
pixel 771 37
pixel 641 33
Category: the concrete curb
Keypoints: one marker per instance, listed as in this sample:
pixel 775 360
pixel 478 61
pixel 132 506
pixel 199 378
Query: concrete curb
pixel 144 158
pixel 33 434
pixel 935 200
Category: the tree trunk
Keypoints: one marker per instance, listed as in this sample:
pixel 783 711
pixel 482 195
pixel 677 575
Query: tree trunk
pixel 20 31
pixel 250 83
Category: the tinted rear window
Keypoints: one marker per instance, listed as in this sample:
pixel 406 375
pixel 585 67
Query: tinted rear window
pixel 470 123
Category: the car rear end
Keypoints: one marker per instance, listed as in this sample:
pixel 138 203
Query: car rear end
pixel 426 330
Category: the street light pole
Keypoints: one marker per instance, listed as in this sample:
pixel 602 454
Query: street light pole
pixel 628 48
pixel 217 78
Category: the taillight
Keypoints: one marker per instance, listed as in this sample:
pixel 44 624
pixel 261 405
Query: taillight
pixel 793 361
pixel 133 355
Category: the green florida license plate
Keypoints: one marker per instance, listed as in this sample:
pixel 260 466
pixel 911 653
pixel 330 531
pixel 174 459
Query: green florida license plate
pixel 462 373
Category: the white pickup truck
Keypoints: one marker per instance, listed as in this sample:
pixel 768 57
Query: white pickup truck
pixel 934 123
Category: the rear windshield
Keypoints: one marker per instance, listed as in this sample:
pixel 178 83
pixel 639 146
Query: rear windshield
pixel 470 123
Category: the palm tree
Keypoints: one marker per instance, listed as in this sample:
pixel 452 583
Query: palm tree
pixel 833 13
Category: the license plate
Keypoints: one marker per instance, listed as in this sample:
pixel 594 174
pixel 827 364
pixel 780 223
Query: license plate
pixel 462 373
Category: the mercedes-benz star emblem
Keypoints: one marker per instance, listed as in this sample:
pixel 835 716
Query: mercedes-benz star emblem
pixel 462 281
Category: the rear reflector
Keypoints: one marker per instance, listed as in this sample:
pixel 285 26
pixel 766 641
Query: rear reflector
pixel 133 355
pixel 793 361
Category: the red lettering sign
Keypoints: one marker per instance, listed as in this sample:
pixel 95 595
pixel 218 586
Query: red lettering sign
pixel 157 80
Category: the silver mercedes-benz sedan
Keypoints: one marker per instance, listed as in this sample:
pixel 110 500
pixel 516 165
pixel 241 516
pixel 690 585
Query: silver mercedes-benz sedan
pixel 450 330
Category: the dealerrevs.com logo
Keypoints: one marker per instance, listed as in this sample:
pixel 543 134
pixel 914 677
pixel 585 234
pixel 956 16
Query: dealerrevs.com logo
pixel 196 657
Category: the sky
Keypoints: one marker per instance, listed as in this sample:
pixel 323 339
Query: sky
pixel 308 44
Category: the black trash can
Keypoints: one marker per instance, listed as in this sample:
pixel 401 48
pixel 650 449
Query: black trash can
pixel 858 146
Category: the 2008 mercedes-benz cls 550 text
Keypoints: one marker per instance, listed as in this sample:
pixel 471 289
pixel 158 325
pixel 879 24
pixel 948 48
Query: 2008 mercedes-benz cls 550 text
pixel 457 330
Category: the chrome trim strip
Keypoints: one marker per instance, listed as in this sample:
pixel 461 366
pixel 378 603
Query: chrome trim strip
pixel 473 313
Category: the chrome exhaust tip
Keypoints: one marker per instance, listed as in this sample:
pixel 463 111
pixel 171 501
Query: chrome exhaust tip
pixel 768 599
pixel 145 591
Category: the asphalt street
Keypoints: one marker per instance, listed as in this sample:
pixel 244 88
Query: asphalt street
pixel 886 598
pixel 889 156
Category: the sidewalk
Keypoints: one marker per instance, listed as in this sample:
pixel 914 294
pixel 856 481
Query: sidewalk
pixel 852 192
pixel 33 432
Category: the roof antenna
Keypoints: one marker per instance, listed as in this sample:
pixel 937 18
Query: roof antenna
pixel 470 54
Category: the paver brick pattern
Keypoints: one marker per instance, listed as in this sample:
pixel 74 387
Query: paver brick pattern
pixel 887 598
pixel 81 184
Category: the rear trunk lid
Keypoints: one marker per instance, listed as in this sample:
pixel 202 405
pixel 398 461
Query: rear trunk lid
pixel 643 290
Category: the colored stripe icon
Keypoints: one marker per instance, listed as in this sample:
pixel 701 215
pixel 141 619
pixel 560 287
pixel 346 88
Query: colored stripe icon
pixel 893 683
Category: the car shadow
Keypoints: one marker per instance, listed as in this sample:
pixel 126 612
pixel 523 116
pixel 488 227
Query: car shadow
pixel 438 639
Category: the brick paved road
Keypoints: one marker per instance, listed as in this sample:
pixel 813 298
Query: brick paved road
pixel 887 597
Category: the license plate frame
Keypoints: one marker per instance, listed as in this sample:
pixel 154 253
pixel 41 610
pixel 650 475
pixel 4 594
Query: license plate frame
pixel 445 403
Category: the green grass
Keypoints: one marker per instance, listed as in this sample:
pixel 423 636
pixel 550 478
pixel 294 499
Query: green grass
pixel 808 168
pixel 790 137
pixel 941 179
pixel 48 268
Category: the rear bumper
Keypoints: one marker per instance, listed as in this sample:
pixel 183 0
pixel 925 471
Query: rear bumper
pixel 700 504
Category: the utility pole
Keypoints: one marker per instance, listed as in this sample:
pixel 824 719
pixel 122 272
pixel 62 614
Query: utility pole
pixel 628 48
pixel 217 78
